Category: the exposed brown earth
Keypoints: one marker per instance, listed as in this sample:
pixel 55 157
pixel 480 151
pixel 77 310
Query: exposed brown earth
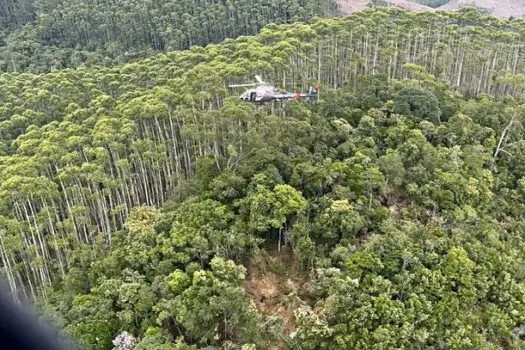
pixel 274 292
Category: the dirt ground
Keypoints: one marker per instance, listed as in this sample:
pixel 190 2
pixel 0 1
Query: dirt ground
pixel 273 283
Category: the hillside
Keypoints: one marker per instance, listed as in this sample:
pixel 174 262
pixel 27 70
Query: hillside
pixel 349 6
pixel 499 8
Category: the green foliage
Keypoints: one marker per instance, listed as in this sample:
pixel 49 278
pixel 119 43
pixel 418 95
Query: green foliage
pixel 156 339
pixel 313 330
pixel 339 220
pixel 93 321
pixel 178 281
pixel 134 199
pixel 265 209
pixel 203 229
pixel 215 307
pixel 53 34
pixel 421 103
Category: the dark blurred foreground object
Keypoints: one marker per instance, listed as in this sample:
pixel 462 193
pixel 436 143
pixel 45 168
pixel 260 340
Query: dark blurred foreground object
pixel 20 329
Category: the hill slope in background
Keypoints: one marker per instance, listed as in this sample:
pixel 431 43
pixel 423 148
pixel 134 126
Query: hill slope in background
pixel 499 8
pixel 349 6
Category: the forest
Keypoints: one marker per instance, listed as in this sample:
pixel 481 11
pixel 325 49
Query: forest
pixel 43 35
pixel 144 206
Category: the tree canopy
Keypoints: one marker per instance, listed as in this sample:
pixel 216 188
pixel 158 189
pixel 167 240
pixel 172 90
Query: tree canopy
pixel 144 205
pixel 42 35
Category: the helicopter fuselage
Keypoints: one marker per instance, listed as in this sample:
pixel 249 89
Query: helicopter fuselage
pixel 265 92
pixel 259 94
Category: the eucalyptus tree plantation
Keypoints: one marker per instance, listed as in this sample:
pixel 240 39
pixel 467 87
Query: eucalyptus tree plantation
pixel 43 35
pixel 146 198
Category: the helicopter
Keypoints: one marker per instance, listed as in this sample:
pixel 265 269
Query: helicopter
pixel 265 92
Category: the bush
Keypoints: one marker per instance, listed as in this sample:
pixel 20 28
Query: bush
pixel 418 102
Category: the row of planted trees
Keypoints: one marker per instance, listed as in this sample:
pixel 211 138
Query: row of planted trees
pixel 472 52
pixel 69 33
pixel 82 147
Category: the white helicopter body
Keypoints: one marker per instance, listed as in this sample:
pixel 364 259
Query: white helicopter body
pixel 265 92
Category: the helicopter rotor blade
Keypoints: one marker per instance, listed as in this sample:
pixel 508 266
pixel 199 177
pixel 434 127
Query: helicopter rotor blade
pixel 259 79
pixel 241 85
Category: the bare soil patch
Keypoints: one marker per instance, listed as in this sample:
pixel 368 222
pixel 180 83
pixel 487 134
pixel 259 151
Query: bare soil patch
pixel 273 283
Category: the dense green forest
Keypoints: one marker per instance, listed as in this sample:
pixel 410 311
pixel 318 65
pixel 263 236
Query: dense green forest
pixel 41 35
pixel 143 206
